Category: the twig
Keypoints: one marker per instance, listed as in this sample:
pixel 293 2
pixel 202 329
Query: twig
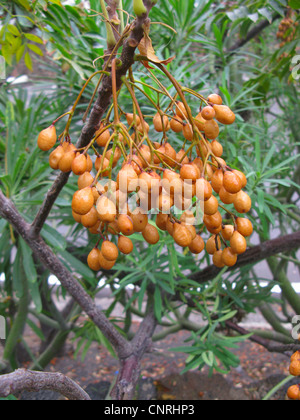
pixel 25 380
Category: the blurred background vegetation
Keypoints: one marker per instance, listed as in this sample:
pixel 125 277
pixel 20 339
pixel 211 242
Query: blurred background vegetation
pixel 236 48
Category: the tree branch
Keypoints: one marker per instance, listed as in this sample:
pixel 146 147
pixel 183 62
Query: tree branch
pixel 253 255
pixel 55 266
pixel 24 380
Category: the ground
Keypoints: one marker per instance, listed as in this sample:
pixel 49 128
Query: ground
pixel 259 372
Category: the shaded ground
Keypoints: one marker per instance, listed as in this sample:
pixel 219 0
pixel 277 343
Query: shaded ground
pixel 259 372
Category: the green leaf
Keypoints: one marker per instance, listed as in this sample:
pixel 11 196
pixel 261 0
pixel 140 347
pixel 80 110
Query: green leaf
pixel 158 306
pixel 35 49
pixel 35 295
pixel 28 263
pixel 34 38
pixel 28 61
pixel 294 4
pixel 77 266
pixel 54 238
pixel 13 30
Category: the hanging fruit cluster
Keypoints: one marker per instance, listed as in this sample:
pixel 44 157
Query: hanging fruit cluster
pixel 287 30
pixel 135 177
pixel 294 391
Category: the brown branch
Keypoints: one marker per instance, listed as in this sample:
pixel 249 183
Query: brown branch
pixel 55 266
pixel 253 256
pixel 252 34
pixel 24 380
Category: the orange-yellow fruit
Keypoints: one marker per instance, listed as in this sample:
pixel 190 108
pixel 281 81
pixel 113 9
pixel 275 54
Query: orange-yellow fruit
pixel 227 232
pixel 161 123
pixel 94 230
pixel 213 221
pixel 90 219
pixel 211 206
pixel 130 119
pixel 116 156
pixel 105 264
pixel 181 111
pixel 215 99
pixel 79 165
pixel 218 260
pixel 170 155
pixel 93 260
pixel 217 148
pixel 65 163
pixel 226 197
pixel 213 244
pixel 55 157
pixel 76 217
pixel 189 172
pixel 224 114
pixel 232 182
pixel 242 202
pixel 150 182
pixel 161 221
pixel 127 179
pixel 203 189
pixel 295 356
pixel 208 113
pixel 229 258
pixel 293 392
pixel 200 122
pixel 164 203
pixel 211 129
pixel 151 235
pixel 176 124
pixel 125 225
pixel 106 209
pixel 105 165
pixel 85 180
pixel 182 235
pixel 242 177
pixel 217 180
pixel 295 368
pixel 180 157
pixel 197 245
pixel 83 201
pixel 238 243
pixel 188 132
pixel 103 138
pixel 109 251
pixel 125 245
pixel 47 138
pixel 244 226
pixel 139 219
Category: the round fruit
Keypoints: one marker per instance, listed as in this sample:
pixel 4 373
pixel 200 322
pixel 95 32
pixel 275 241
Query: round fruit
pixel 208 113
pixel 109 251
pixel 217 148
pixel 224 114
pixel 127 179
pixel 106 209
pixel 295 356
pixel 47 138
pixel 55 157
pixel 180 157
pixel 76 217
pixel 215 99
pixel 293 392
pixel 188 132
pixel 197 245
pixel 244 226
pixel 65 163
pixel 242 177
pixel 213 244
pixel 217 180
pixel 213 221
pixel 189 172
pixel 226 197
pixel 295 368
pixel 229 258
pixel 105 264
pixel 149 182
pixel 93 260
pixel 200 122
pixel 85 180
pixel 90 219
pixel 125 225
pixel 238 243
pixel 242 202
pixel 125 245
pixel 130 119
pixel 227 232
pixel 79 165
pixel 181 110
pixel 182 236
pixel 211 206
pixel 161 221
pixel 151 234
pixel 177 124
pixel 139 219
pixel 83 201
pixel 218 260
pixel 102 139
pixel 203 189
pixel 161 123
pixel 211 129
pixel 232 182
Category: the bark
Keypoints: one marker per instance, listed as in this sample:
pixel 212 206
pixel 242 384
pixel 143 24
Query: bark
pixel 22 380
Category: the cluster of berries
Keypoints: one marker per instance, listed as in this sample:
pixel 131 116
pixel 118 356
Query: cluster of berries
pixel 294 391
pixel 160 179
